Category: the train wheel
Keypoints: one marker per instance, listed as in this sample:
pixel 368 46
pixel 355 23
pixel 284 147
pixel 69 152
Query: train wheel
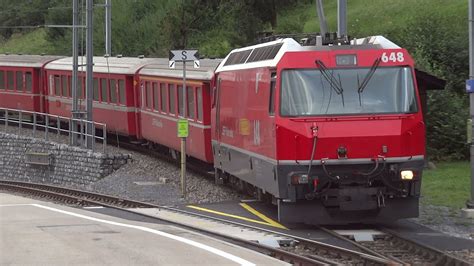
pixel 218 177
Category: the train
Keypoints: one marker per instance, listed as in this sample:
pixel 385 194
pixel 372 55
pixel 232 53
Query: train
pixel 331 134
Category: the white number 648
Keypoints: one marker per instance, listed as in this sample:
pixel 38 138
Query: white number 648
pixel 393 57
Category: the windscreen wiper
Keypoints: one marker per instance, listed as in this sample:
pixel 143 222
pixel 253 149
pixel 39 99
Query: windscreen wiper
pixel 369 75
pixel 333 82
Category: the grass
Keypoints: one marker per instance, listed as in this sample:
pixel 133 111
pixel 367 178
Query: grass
pixel 33 42
pixel 375 17
pixel 448 185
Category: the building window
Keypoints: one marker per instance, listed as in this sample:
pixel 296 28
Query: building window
pixel 199 103
pixel 113 91
pixel 190 102
pixel 10 81
pixel 172 101
pixel 122 91
pixel 163 97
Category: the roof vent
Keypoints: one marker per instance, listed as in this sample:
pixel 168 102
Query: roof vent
pixel 119 56
pixel 141 56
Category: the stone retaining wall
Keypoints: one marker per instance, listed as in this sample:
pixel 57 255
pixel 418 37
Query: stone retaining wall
pixel 67 165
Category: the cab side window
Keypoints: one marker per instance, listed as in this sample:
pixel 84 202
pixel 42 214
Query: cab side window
pixel 271 104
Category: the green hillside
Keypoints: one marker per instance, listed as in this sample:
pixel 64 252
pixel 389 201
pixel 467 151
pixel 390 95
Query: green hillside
pixel 33 42
pixel 376 17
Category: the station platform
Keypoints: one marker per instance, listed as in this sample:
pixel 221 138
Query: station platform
pixel 265 215
pixel 33 232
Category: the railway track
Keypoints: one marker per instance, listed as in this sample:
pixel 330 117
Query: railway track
pixel 395 247
pixel 297 250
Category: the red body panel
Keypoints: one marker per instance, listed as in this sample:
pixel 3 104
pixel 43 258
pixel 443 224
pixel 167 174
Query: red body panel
pixel 20 98
pixel 160 126
pixel 244 111
pixel 119 117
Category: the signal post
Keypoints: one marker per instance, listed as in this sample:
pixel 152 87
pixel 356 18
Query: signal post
pixel 183 124
pixel 469 210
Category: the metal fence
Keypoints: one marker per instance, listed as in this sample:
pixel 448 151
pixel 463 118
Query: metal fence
pixel 56 125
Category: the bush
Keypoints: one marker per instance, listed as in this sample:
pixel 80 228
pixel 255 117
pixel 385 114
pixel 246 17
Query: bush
pixel 446 57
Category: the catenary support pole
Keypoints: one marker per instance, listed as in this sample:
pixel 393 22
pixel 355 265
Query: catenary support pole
pixel 75 100
pixel 108 27
pixel 470 203
pixel 322 19
pixel 341 18
pixel 89 73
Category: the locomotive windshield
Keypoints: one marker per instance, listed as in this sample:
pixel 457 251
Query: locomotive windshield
pixel 307 92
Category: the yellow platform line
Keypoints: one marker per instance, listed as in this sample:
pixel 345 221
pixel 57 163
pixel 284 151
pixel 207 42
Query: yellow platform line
pixel 262 216
pixel 267 221
pixel 226 214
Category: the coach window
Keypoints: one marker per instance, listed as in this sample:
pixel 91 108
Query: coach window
pixel 156 96
pixel 180 101
pixel 29 81
pixel 190 102
pixel 121 83
pixel 199 103
pixel 79 88
pixel 103 90
pixel 163 96
pixel 2 80
pixel 96 89
pixel 10 81
pixel 271 106
pixel 113 90
pixel 172 101
pixel 65 87
pixel 147 96
pixel 57 85
pixel 19 80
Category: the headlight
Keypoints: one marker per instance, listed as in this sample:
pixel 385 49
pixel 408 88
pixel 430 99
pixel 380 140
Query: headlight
pixel 406 175
pixel 297 179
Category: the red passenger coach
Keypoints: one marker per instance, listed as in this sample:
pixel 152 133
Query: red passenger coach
pixel 161 105
pixel 114 95
pixel 334 134
pixel 21 81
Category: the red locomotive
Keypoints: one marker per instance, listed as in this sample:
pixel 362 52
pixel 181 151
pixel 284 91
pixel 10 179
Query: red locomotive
pixel 333 134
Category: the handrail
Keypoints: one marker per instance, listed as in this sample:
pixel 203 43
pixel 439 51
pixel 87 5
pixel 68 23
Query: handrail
pixel 60 124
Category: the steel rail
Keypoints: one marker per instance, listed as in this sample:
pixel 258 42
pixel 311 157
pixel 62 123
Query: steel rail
pixel 88 198
pixel 431 255
pixel 441 257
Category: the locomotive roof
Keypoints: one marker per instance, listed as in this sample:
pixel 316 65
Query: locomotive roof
pixel 269 54
pixel 113 65
pixel 159 67
pixel 14 60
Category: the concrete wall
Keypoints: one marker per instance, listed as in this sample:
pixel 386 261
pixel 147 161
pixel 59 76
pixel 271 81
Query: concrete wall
pixel 68 165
